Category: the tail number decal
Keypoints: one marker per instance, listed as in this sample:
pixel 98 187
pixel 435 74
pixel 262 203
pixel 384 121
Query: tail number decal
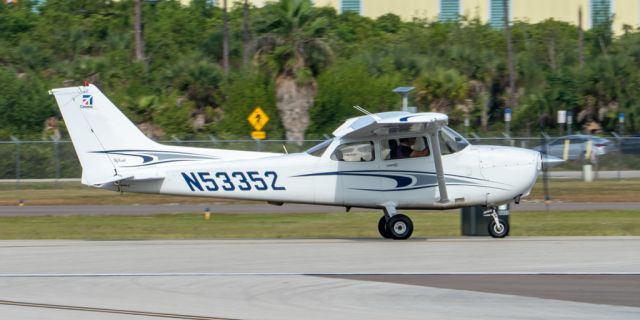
pixel 236 180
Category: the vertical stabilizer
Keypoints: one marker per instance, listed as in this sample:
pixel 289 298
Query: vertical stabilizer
pixel 99 131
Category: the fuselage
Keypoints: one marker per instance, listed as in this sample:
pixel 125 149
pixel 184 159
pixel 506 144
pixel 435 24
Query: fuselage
pixel 474 175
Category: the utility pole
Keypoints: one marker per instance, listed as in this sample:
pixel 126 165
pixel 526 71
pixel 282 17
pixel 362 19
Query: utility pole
pixel 512 70
pixel 245 33
pixel 225 38
pixel 137 17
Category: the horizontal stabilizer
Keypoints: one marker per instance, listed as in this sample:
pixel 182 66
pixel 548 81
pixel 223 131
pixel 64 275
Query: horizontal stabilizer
pixel 118 178
pixel 112 179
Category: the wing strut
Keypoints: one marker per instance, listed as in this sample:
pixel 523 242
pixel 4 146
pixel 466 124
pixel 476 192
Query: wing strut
pixel 437 159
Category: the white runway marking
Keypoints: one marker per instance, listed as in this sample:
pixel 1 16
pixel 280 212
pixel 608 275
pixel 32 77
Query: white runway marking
pixel 269 274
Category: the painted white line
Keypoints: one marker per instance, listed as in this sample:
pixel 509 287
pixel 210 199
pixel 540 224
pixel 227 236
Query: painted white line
pixel 236 274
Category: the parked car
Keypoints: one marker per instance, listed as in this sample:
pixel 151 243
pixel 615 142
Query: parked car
pixel 630 145
pixel 577 146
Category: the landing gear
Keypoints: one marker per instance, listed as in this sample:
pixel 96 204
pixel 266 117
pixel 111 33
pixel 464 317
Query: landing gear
pixel 498 228
pixel 382 228
pixel 395 226
pixel 400 227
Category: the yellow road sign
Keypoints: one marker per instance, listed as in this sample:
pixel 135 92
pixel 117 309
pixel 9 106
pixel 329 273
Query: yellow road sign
pixel 258 135
pixel 258 119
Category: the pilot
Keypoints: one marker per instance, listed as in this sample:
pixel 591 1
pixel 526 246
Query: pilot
pixel 393 150
pixel 404 149
pixel 419 149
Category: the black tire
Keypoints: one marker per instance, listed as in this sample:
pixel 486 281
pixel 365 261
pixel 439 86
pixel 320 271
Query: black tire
pixel 497 232
pixel 382 228
pixel 400 227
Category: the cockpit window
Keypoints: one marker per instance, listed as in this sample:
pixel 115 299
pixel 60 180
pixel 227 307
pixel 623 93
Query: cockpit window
pixel 354 152
pixel 451 141
pixel 319 149
pixel 402 148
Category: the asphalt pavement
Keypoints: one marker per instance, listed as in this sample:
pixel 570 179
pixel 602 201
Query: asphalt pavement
pixel 478 278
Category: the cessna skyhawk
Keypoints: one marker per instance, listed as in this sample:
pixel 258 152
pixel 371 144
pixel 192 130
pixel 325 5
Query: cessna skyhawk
pixel 389 161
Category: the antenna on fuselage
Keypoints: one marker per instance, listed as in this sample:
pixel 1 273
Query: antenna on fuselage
pixel 365 111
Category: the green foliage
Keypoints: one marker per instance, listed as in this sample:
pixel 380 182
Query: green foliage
pixel 349 83
pixel 246 91
pixel 24 103
pixel 173 118
pixel 441 89
pixel 64 42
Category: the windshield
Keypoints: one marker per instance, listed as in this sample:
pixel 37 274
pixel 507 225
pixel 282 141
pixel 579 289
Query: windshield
pixel 451 141
pixel 319 148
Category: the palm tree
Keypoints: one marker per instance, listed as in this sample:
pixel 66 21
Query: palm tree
pixel 292 49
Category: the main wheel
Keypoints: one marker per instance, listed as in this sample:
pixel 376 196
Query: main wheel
pixel 400 227
pixel 382 228
pixel 499 230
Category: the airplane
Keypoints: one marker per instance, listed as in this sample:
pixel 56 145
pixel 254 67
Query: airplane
pixel 390 161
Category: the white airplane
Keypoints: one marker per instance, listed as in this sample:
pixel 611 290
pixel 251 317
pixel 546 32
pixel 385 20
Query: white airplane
pixel 389 160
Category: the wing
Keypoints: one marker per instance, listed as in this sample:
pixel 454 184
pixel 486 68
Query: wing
pixel 381 124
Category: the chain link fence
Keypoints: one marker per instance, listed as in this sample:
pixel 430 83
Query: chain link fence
pixel 58 160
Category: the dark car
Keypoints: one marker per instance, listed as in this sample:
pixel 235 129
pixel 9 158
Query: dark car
pixel 577 146
pixel 631 144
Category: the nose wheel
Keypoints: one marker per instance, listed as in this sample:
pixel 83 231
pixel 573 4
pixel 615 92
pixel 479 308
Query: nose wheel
pixel 498 228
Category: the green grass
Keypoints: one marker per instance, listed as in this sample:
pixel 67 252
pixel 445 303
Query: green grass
pixel 332 225
pixel 74 193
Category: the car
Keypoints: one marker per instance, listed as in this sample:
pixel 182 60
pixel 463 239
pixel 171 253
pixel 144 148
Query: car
pixel 631 144
pixel 577 145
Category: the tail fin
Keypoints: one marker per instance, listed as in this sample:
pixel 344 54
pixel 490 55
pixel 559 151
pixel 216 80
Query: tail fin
pixel 99 131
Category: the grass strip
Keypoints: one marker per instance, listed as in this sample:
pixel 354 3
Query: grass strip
pixel 73 193
pixel 313 225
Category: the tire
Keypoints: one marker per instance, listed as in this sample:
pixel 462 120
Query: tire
pixel 400 227
pixel 496 232
pixel 382 228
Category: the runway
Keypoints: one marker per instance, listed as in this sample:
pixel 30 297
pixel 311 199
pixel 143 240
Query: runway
pixel 68 210
pixel 461 278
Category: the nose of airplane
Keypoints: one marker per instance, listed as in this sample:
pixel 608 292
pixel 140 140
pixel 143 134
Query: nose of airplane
pixel 516 168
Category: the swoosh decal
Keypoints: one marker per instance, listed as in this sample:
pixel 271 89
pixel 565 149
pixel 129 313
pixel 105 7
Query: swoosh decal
pixel 407 180
pixel 152 157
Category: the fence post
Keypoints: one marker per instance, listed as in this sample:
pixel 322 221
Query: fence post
pixel 214 140
pixel 56 156
pixel 17 143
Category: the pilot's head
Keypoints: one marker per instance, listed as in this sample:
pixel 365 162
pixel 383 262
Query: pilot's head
pixel 407 141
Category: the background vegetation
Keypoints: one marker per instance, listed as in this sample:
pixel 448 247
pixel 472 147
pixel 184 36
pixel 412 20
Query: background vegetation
pixel 182 89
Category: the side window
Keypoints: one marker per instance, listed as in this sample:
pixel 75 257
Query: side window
pixel 557 142
pixel 402 148
pixel 445 148
pixel 354 152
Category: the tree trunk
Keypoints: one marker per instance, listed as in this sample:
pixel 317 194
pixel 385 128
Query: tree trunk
pixel 137 17
pixel 580 38
pixel 512 70
pixel 551 50
pixel 245 33
pixel 293 102
pixel 484 115
pixel 225 37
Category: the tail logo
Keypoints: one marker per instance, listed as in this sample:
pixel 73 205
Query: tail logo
pixel 87 101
